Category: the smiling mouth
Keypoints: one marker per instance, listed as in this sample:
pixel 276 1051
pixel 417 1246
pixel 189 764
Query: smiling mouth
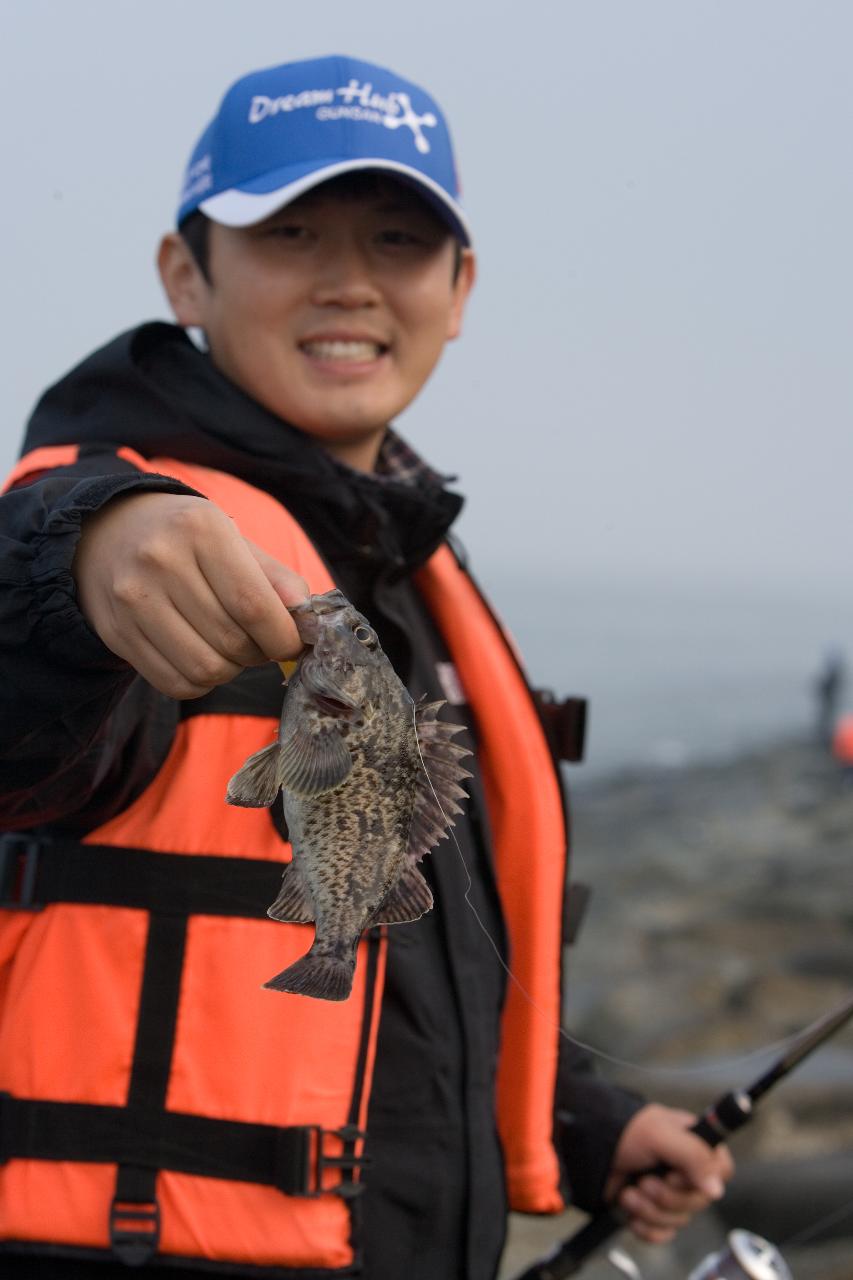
pixel 353 351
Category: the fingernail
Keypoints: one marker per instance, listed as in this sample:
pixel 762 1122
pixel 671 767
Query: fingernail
pixel 713 1187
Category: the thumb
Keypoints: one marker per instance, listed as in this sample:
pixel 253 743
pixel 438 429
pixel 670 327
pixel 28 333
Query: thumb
pixel 290 587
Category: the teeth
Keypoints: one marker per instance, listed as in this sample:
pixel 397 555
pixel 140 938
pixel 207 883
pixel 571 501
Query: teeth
pixel 338 350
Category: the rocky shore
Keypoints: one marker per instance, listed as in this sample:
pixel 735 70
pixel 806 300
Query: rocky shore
pixel 721 922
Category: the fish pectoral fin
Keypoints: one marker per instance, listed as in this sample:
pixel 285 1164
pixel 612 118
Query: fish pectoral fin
pixel 257 784
pixel 294 900
pixel 311 763
pixel 408 899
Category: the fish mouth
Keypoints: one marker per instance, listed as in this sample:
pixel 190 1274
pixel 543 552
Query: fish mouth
pixel 333 706
pixel 329 602
pixel 325 694
pixel 308 613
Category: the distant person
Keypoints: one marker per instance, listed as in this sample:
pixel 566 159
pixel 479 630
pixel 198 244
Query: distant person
pixel 829 688
pixel 159 1108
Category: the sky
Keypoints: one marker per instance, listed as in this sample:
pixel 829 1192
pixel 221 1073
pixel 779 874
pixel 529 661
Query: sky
pixel 655 375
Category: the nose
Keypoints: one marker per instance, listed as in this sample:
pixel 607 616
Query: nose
pixel 345 278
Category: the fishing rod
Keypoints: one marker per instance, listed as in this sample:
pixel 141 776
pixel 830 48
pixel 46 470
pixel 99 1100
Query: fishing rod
pixel 725 1116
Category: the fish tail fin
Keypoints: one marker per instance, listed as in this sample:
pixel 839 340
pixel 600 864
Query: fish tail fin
pixel 322 976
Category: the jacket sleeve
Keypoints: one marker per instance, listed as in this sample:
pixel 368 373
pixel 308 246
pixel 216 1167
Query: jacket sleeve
pixel 78 727
pixel 591 1114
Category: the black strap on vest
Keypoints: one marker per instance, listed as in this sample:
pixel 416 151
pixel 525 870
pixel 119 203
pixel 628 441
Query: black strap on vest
pixel 36 871
pixel 293 1158
pixel 143 1137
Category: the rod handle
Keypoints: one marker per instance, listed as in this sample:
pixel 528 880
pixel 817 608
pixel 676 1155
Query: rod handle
pixel 726 1115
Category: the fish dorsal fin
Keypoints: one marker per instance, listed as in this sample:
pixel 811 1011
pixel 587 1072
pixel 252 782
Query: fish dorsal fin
pixel 294 899
pixel 437 789
pixel 311 763
pixel 257 784
pixel 408 899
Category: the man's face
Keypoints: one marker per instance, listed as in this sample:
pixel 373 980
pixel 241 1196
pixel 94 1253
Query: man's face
pixel 333 312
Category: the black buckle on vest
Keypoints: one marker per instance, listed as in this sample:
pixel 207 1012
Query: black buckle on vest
pixel 564 722
pixel 134 1230
pixel 19 859
pixel 348 1162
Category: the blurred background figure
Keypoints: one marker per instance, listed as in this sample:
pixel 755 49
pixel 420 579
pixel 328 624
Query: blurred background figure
pixel 829 687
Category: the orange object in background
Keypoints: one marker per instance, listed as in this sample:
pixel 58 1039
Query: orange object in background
pixel 842 740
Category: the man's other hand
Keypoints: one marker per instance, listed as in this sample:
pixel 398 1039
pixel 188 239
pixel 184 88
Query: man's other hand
pixel 658 1207
pixel 169 584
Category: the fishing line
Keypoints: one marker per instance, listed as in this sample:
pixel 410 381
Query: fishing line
pixel 828 1220
pixel 702 1068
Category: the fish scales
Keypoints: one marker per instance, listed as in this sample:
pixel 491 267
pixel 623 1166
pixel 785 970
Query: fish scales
pixel 360 807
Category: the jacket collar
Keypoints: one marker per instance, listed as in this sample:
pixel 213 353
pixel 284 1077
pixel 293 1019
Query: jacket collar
pixel 153 390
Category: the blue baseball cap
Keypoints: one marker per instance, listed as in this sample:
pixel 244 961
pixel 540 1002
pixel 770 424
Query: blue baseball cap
pixel 281 131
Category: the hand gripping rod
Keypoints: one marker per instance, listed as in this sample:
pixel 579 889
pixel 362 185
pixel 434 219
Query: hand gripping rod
pixel 728 1114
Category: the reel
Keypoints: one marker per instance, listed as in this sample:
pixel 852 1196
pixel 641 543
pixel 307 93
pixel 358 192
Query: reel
pixel 745 1257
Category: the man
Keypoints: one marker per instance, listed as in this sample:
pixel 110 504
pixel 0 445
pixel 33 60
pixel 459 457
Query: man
pixel 161 1109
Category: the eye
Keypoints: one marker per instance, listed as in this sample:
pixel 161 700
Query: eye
pixel 398 236
pixel 290 232
pixel 365 635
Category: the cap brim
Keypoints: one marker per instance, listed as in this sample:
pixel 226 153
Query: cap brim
pixel 243 208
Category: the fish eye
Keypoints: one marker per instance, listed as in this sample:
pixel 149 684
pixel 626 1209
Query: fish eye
pixel 364 635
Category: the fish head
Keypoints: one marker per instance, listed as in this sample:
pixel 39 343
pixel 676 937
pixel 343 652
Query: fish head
pixel 344 667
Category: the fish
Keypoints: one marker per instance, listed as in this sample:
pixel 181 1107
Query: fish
pixel 371 781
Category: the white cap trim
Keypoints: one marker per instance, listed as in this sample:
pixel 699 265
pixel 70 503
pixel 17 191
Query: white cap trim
pixel 235 208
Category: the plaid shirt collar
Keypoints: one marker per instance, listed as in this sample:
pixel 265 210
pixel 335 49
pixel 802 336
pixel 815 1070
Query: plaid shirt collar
pixel 397 463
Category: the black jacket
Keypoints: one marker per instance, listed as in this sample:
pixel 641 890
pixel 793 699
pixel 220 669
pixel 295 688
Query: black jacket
pixel 81 735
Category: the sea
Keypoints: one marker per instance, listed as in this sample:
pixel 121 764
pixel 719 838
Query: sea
pixel 678 671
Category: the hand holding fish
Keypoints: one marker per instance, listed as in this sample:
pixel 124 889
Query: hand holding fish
pixel 169 584
pixel 370 781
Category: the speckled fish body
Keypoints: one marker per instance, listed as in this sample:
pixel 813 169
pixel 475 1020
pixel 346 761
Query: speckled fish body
pixel 360 807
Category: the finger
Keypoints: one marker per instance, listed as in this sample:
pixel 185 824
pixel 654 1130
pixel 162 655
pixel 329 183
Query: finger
pixel 248 597
pixel 289 586
pixel 702 1167
pixel 202 610
pixel 187 650
pixel 146 621
pixel 674 1193
pixel 147 659
pixel 724 1165
pixel 643 1207
pixel 192 597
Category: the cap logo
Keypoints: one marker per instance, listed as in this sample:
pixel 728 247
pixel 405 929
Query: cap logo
pixel 198 179
pixel 358 102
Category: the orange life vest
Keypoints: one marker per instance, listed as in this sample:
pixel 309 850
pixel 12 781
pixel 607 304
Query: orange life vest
pixel 153 1096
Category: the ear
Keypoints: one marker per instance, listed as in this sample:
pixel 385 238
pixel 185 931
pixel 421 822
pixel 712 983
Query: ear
pixel 185 286
pixel 462 286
